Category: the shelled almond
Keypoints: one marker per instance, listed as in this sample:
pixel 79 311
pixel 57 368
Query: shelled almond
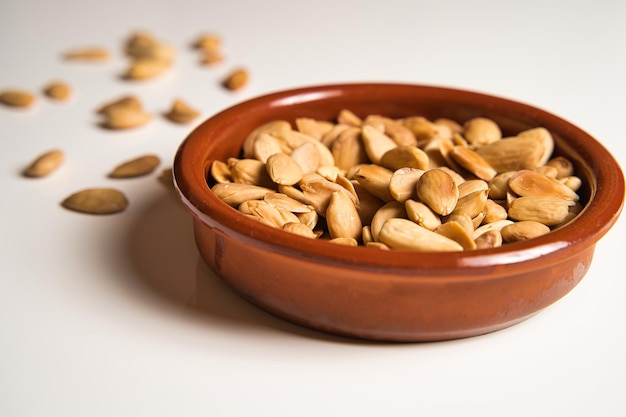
pixel 17 98
pixel 45 164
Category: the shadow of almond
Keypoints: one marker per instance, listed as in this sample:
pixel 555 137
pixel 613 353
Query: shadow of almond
pixel 161 248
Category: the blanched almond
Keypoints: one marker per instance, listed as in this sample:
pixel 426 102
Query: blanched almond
pixel 493 226
pixel 404 234
pixel 543 209
pixel 473 162
pixel 342 217
pixel 293 139
pixel 400 134
pixel 421 214
pixel 515 153
pixel 87 54
pixel 181 112
pixel 318 191
pixel 494 212
pixel 251 171
pixel 471 204
pixel 283 170
pixel 523 230
pixel 234 194
pixel 489 240
pixel 345 241
pixel 96 201
pixel 376 143
pixel 423 129
pixel 145 68
pixel 348 149
pixel 267 145
pixel 572 182
pixel 543 138
pixel 207 41
pixel 299 229
pixel 136 167
pixel 284 202
pixel 471 186
pixel 272 216
pixel 347 117
pixel 57 90
pixel 437 189
pixel 119 118
pixel 563 166
pixel 375 179
pixel 391 210
pixel 403 183
pixel 269 127
pixel 529 183
pixel 499 185
pixel 45 164
pixel 125 102
pixel 307 156
pixel 220 172
pixel 405 157
pixel 236 80
pixel 17 98
pixel 481 131
pixel 309 219
pixel 455 231
pixel 313 127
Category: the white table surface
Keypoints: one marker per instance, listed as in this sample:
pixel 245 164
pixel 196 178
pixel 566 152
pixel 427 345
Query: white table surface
pixel 118 316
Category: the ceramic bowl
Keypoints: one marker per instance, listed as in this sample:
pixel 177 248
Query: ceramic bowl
pixel 393 295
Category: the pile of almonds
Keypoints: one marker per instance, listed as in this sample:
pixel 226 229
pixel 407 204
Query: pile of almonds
pixel 410 183
pixel 148 57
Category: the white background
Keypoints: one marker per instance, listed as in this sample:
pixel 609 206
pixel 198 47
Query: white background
pixel 117 315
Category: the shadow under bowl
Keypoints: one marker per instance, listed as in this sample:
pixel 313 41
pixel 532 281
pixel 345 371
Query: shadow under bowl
pixel 394 295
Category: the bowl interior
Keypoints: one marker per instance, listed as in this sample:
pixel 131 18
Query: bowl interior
pixel 222 136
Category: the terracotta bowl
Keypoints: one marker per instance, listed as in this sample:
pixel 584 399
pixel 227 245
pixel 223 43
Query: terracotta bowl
pixel 393 295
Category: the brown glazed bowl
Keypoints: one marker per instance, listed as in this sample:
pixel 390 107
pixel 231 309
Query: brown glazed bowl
pixel 393 295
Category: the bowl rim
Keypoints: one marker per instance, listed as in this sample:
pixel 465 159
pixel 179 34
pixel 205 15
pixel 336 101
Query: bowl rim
pixel 606 193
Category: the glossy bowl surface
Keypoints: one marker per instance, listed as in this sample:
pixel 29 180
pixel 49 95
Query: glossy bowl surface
pixel 393 295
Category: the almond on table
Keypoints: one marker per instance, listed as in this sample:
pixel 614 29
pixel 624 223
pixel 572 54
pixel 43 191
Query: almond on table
pixel 123 113
pixel 181 112
pixel 58 90
pixel 45 164
pixel 96 201
pixel 88 54
pixel 136 167
pixel 17 98
pixel 236 79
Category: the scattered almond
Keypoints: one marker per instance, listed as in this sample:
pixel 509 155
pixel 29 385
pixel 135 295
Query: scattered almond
pixel 145 68
pixel 148 56
pixel 181 112
pixel 125 118
pixel 45 164
pixel 96 201
pixel 236 79
pixel 127 102
pixel 207 41
pixel 58 90
pixel 124 113
pixel 87 54
pixel 136 167
pixel 17 98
